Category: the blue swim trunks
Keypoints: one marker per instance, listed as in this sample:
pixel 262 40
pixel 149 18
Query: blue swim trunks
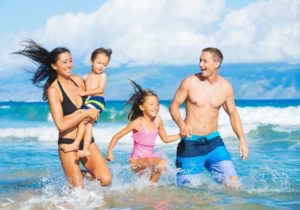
pixel 96 102
pixel 198 152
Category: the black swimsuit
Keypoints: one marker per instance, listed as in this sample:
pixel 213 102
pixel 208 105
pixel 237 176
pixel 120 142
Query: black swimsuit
pixel 68 108
pixel 67 105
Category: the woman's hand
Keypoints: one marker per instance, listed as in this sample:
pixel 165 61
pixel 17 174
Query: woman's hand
pixel 93 114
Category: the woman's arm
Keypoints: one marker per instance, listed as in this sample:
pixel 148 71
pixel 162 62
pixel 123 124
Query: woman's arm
pixel 163 134
pixel 62 123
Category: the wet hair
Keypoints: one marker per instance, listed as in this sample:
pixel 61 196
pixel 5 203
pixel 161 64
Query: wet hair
pixel 44 59
pixel 137 99
pixel 101 50
pixel 217 54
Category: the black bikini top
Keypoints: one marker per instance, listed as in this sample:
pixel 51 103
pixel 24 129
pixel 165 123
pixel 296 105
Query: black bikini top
pixel 68 106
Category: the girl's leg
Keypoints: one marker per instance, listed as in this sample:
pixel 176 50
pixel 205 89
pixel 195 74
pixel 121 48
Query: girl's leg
pixel 79 136
pixel 87 141
pixel 97 166
pixel 157 165
pixel 70 164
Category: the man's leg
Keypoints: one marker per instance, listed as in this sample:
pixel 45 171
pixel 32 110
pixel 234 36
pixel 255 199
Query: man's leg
pixel 220 165
pixel 189 167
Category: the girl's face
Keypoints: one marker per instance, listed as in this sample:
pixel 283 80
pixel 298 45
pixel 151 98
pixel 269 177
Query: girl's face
pixel 99 63
pixel 63 65
pixel 151 106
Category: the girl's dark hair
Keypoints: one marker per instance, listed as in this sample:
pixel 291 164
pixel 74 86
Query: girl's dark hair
pixel 101 50
pixel 44 59
pixel 137 99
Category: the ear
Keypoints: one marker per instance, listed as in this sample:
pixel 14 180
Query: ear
pixel 141 108
pixel 54 66
pixel 91 62
pixel 217 64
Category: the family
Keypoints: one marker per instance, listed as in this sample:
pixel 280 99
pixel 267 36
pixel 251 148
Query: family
pixel 76 103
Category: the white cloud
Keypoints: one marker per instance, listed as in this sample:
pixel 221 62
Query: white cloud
pixel 264 31
pixel 173 32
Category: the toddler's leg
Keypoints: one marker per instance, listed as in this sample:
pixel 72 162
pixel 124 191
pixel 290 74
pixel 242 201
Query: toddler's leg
pixel 86 141
pixel 75 145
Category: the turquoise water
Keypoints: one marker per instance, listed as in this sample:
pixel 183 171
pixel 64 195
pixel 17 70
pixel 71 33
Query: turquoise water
pixel 31 176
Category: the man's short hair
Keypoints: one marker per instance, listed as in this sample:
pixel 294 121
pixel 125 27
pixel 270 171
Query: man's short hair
pixel 217 54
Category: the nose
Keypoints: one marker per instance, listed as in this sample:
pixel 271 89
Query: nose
pixel 201 63
pixel 70 64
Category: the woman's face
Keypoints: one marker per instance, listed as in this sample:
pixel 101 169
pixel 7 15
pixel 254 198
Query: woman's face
pixel 64 64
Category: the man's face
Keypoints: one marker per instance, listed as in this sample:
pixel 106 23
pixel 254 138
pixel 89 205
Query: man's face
pixel 207 64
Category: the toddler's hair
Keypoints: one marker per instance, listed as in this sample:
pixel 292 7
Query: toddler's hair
pixel 101 50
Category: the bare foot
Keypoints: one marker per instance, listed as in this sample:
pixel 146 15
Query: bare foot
pixel 69 147
pixel 83 153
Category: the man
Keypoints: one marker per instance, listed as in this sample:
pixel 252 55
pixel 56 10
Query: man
pixel 201 146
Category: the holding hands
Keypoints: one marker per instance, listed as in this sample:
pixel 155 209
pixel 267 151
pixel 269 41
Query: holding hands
pixel 185 130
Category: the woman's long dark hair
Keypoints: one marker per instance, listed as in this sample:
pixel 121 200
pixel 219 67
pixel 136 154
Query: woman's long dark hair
pixel 137 99
pixel 44 59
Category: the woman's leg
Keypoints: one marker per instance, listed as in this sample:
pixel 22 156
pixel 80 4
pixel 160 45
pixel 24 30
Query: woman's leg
pixel 70 164
pixel 97 166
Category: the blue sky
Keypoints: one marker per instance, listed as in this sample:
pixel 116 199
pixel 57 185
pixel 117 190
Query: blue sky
pixel 158 42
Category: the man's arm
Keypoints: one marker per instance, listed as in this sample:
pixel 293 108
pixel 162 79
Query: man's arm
pixel 236 123
pixel 179 98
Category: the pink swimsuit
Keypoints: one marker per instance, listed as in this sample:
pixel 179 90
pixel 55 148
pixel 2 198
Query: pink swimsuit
pixel 143 142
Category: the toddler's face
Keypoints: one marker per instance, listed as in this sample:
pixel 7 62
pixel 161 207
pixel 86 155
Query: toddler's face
pixel 99 63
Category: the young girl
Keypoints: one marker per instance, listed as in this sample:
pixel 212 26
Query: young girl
pixel 95 83
pixel 145 125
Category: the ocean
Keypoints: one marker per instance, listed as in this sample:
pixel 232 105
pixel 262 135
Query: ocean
pixel 31 176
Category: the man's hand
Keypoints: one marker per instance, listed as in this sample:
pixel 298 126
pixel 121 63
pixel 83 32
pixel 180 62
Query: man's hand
pixel 244 151
pixel 185 131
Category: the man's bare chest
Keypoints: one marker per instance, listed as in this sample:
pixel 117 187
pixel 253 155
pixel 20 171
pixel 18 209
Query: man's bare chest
pixel 203 96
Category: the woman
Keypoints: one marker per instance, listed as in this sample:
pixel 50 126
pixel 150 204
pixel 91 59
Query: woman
pixel 65 106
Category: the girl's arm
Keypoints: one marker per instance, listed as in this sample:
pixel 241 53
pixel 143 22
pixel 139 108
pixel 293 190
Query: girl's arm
pixel 62 123
pixel 163 134
pixel 130 127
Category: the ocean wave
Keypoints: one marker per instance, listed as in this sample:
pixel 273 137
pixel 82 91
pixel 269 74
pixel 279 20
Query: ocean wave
pixel 104 132
pixel 116 112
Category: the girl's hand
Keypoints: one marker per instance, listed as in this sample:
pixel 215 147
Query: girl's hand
pixel 110 156
pixel 185 131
